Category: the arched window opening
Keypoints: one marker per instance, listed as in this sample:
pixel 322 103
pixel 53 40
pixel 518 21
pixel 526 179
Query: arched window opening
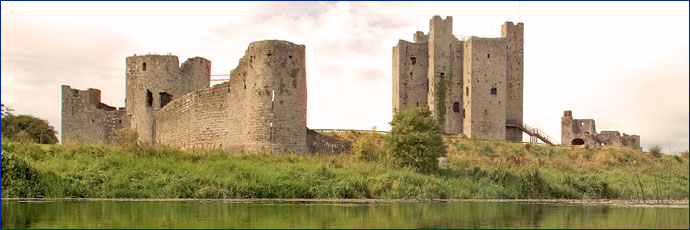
pixel 577 141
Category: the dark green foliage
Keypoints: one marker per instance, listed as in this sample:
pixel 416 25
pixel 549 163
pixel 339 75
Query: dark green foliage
pixel 28 128
pixel 415 140
pixel 18 178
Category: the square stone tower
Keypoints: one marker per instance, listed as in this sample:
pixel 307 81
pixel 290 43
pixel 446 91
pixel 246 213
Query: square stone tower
pixel 473 88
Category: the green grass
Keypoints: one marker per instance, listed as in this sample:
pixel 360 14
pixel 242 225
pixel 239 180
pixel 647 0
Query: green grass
pixel 474 169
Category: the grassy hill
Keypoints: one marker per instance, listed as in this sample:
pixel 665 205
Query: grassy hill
pixel 473 169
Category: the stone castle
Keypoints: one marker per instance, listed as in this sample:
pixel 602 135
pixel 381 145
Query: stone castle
pixel 473 88
pixel 584 132
pixel 262 108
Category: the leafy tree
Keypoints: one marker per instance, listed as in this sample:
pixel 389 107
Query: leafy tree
pixel 5 111
pixel 28 128
pixel 415 140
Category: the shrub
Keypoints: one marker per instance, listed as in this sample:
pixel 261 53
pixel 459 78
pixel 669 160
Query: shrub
pixel 18 178
pixel 369 147
pixel 655 150
pixel 415 140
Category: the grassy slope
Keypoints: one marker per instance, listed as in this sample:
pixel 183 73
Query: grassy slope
pixel 474 169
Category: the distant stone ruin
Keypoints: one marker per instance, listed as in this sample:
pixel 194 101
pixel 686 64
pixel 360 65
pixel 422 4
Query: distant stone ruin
pixel 262 108
pixel 584 132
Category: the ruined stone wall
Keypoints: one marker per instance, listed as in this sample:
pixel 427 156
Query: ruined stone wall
pixel 261 109
pixel 445 74
pixel 410 83
pixel 86 120
pixel 155 80
pixel 485 88
pixel 322 144
pixel 513 35
pixel 196 120
pixel 583 132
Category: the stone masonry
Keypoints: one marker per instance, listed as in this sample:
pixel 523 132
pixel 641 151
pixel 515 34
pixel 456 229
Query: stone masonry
pixel 262 108
pixel 583 132
pixel 86 120
pixel 472 87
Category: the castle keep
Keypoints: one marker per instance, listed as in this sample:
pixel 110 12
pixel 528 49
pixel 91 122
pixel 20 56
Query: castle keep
pixel 584 132
pixel 262 108
pixel 473 88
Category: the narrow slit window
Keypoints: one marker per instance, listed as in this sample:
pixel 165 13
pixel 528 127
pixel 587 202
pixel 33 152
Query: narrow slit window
pixel 149 98
pixel 456 107
pixel 488 56
pixel 273 99
pixel 413 60
pixel 467 91
pixel 143 66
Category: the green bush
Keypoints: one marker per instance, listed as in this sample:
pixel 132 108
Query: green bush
pixel 369 147
pixel 655 150
pixel 415 140
pixel 18 178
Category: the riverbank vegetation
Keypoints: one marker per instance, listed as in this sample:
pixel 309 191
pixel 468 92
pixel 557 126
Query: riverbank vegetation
pixel 474 169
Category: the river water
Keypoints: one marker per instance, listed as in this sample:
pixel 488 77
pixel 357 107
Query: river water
pixel 223 214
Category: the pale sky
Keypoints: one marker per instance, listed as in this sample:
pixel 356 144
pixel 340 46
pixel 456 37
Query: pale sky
pixel 624 64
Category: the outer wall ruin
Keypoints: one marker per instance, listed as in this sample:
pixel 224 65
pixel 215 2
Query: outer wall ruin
pixel 86 120
pixel 262 108
pixel 472 87
pixel 583 132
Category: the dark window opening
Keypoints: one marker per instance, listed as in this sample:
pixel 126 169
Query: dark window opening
pixel 119 121
pixel 463 113
pixel 143 67
pixel 577 141
pixel 417 103
pixel 488 56
pixel 92 121
pixel 467 91
pixel 456 107
pixel 165 98
pixel 442 75
pixel 290 57
pixel 411 77
pixel 75 93
pixel 414 60
pixel 149 98
pixel 493 91
pixel 486 112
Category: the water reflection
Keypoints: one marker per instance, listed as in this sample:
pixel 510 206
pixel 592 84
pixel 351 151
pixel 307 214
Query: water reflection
pixel 218 214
